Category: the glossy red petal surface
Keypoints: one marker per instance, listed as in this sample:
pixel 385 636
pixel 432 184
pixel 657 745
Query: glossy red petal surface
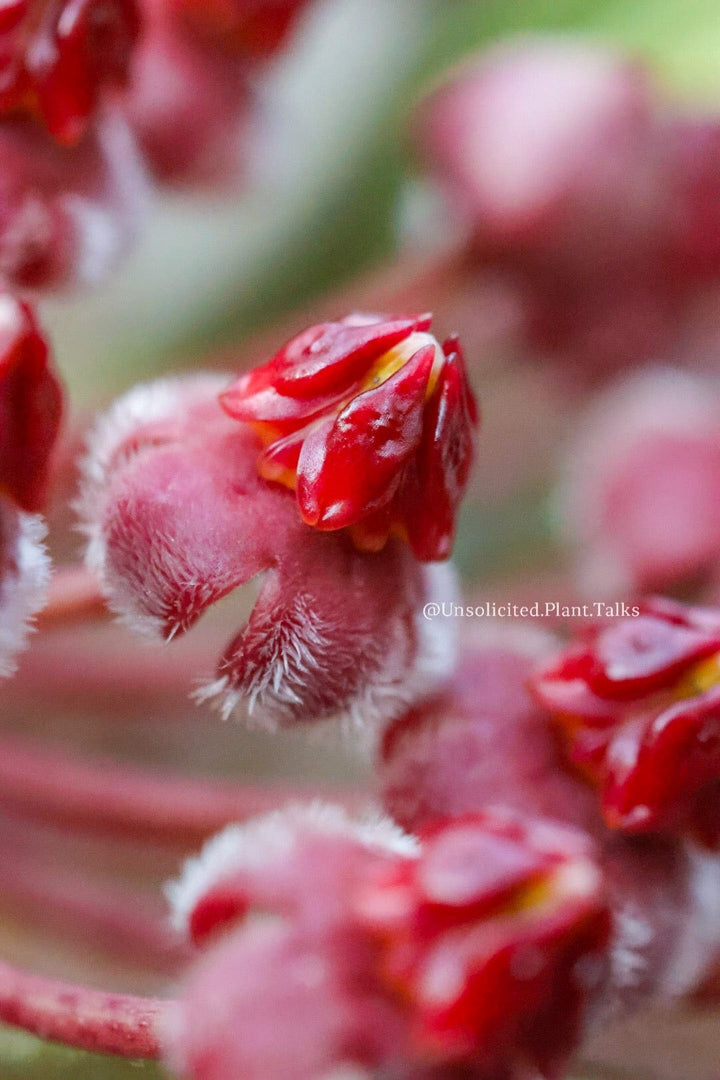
pixel 436 482
pixel 351 466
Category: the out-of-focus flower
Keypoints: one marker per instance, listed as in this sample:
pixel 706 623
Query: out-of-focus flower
pixel 637 702
pixel 178 517
pixel 483 742
pixel 372 423
pixel 476 947
pixel 30 411
pixel 192 88
pixel 59 57
pixel 578 188
pixel 638 501
pixel 67 213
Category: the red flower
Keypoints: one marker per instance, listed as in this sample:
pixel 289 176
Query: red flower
pixel 639 703
pixel 476 947
pixel 371 422
pixel 59 56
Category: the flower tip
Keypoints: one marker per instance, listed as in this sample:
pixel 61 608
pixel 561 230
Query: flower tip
pixel 371 423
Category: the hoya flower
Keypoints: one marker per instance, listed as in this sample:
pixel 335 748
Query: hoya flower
pixel 72 189
pixel 580 188
pixel 192 92
pixel 60 57
pixel 475 947
pixel 30 409
pixel 637 702
pixel 178 517
pixel 372 423
pixel 484 742
pixel 638 494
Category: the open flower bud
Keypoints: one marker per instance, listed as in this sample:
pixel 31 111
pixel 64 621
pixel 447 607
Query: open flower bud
pixel 178 517
pixel 477 947
pixel 371 422
pixel 638 703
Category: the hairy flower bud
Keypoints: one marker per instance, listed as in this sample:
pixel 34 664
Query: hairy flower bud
pixel 178 518
pixel 476 947
pixel 638 701
pixel 372 423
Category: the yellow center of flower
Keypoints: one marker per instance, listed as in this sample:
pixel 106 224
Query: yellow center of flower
pixel 701 677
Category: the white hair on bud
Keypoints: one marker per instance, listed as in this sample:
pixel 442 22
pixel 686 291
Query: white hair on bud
pixel 391 688
pixel 23 586
pixel 271 839
pixel 695 950
pixel 145 404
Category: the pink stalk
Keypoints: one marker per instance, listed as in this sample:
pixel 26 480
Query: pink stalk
pixel 78 1016
pixel 74 596
pixel 101 796
pixel 122 923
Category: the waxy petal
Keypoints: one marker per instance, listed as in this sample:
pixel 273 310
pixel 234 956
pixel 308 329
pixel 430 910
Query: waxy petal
pixel 353 467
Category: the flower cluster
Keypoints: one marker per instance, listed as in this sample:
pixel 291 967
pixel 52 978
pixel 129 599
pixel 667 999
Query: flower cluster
pixel 637 702
pixel 545 852
pixel 459 949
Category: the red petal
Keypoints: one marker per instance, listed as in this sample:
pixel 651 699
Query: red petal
pixel 435 484
pixel 676 758
pixel 352 466
pixel 30 406
pixel 340 357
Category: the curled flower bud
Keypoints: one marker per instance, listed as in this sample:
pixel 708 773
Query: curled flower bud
pixel 30 409
pixel 371 422
pixel 638 701
pixel 178 518
pixel 59 56
pixel 477 947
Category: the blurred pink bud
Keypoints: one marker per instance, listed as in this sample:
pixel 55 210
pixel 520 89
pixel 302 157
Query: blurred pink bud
pixel 639 501
pixel 547 141
pixel 178 517
pixel 67 213
pixel 192 98
pixel 581 193
pixel 476 948
pixel 481 742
